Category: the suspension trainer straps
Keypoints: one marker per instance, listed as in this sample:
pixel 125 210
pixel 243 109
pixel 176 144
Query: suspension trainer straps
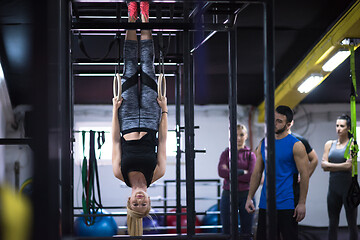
pixel 117 87
pixel 354 148
pixel 100 142
pixel 83 49
pixel 81 42
pixel 84 179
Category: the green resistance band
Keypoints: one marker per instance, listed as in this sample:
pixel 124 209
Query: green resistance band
pixel 354 148
pixel 87 203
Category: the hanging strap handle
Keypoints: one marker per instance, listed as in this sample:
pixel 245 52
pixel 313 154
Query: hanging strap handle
pixel 162 52
pixel 117 88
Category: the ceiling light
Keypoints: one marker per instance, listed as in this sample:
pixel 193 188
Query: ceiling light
pixel 335 61
pixel 310 83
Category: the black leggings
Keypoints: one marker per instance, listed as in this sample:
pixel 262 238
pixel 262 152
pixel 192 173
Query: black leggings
pixel 139 109
pixel 287 225
pixel 335 200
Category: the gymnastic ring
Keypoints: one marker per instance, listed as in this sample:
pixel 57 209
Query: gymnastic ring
pixel 117 85
pixel 161 85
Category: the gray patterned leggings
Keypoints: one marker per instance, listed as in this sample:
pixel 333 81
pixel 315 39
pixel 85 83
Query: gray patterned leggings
pixel 139 109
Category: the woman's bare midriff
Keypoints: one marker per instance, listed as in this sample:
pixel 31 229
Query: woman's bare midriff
pixel 134 135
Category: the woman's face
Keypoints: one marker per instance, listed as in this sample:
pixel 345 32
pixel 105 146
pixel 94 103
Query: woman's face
pixel 342 128
pixel 139 201
pixel 241 137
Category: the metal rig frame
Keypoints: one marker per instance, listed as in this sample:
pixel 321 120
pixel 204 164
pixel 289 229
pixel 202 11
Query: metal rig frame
pixel 53 108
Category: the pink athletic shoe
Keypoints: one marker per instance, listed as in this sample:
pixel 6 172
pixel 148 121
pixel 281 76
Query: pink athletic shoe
pixel 132 10
pixel 144 9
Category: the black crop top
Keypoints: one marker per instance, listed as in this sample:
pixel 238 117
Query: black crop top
pixel 139 155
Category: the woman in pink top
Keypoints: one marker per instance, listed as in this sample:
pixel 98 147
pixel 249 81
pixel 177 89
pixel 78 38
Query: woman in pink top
pixel 246 162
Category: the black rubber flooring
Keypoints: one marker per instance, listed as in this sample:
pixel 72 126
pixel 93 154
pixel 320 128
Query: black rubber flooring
pixel 320 233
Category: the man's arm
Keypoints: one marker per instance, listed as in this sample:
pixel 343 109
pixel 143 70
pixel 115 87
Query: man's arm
pixel 302 163
pixel 255 180
pixel 313 161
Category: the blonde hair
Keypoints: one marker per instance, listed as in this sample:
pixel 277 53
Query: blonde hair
pixel 135 220
pixel 242 127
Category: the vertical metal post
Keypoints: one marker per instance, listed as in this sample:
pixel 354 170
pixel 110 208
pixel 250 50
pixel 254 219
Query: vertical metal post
pixel 165 202
pixel 218 188
pixel 232 67
pixel 66 122
pixel 178 149
pixel 47 118
pixel 189 129
pixel 269 82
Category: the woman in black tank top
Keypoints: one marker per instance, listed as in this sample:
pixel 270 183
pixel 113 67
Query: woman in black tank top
pixel 334 162
pixel 135 159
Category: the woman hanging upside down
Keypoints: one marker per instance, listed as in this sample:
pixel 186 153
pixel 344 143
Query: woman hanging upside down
pixel 138 157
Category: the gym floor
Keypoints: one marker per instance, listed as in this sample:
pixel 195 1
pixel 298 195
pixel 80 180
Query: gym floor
pixel 320 233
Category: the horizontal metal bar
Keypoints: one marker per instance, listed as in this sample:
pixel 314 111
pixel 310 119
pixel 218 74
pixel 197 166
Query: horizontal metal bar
pixel 196 150
pixel 172 1
pixel 196 180
pixel 110 75
pixel 114 214
pixel 112 64
pixel 98 26
pixel 124 17
pixel 202 236
pixel 84 33
pixel 124 207
pixel 174 227
pixel 15 141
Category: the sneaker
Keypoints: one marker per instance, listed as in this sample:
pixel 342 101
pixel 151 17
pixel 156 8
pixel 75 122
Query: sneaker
pixel 132 10
pixel 144 9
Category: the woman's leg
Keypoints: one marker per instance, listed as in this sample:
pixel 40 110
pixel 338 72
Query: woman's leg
pixel 351 217
pixel 334 204
pixel 129 110
pixel 144 12
pixel 132 12
pixel 150 110
pixel 225 211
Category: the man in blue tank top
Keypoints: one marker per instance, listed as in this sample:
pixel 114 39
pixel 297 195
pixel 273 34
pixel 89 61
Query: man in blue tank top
pixel 290 160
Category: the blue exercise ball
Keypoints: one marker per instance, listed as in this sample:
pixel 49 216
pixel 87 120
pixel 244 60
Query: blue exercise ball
pixel 211 220
pixel 152 223
pixel 151 226
pixel 102 226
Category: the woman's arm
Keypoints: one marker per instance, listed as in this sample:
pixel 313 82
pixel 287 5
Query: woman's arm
pixel 116 140
pixel 223 166
pixel 245 177
pixel 161 150
pixel 333 167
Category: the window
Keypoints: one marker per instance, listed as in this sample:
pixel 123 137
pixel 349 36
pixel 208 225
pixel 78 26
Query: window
pixel 171 145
